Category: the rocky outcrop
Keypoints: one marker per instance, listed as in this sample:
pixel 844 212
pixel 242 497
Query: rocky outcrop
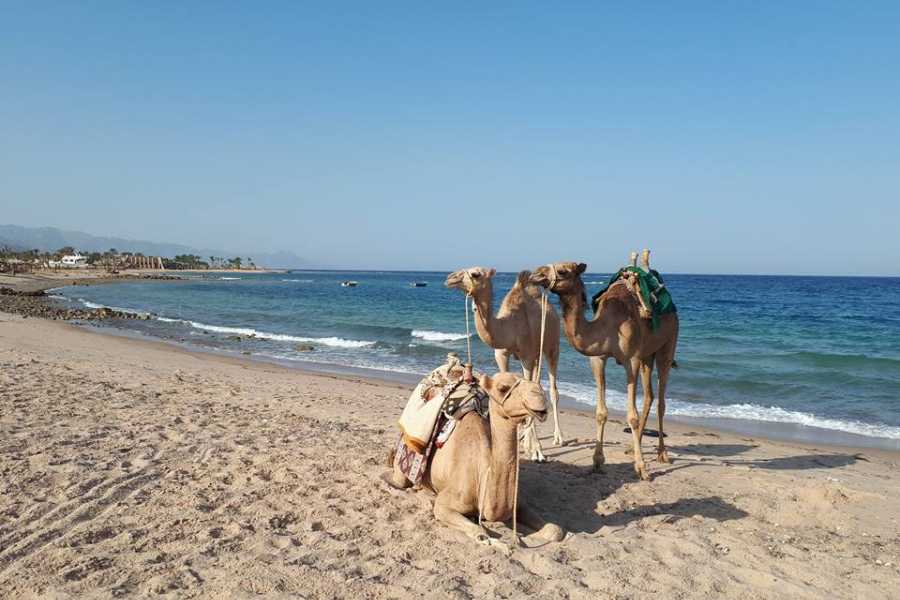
pixel 36 304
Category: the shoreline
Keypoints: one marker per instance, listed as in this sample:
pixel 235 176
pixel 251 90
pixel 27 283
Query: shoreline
pixel 768 430
pixel 799 435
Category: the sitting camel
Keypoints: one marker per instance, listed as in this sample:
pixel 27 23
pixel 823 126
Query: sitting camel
pixel 617 331
pixel 477 465
pixel 516 330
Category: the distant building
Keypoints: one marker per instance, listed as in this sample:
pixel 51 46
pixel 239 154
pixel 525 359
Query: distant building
pixel 70 261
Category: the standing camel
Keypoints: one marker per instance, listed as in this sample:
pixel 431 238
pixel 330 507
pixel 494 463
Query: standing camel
pixel 616 331
pixel 515 330
pixel 475 471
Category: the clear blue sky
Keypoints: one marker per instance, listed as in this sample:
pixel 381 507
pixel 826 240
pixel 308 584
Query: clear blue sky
pixel 730 137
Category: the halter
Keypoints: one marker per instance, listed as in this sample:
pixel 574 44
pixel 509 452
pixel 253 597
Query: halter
pixel 503 400
pixel 552 275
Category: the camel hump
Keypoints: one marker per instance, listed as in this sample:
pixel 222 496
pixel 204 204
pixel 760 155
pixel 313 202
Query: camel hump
pixel 522 278
pixel 523 283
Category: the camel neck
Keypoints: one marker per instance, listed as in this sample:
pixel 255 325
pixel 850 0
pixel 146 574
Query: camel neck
pixel 490 328
pixel 501 480
pixel 573 317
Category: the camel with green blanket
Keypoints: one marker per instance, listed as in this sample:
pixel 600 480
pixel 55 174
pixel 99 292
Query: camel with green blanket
pixel 618 330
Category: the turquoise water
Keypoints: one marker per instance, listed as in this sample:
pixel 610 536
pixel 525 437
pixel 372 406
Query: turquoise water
pixel 819 351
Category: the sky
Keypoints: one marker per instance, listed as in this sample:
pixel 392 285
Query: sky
pixel 728 137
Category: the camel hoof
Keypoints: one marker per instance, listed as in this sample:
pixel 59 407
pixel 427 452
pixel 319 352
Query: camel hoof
pixel 558 440
pixel 599 459
pixel 486 540
pixel 641 471
pixel 538 457
pixel 663 457
pixel 388 478
pixel 550 533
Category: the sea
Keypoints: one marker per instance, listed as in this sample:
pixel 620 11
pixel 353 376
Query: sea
pixel 809 358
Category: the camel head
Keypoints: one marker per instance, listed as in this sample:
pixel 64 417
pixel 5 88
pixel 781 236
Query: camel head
pixel 470 280
pixel 560 278
pixel 515 398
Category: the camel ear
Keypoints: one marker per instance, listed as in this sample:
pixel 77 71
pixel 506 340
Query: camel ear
pixel 492 272
pixel 580 268
pixel 486 383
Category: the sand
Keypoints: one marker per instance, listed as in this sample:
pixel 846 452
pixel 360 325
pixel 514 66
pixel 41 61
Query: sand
pixel 135 468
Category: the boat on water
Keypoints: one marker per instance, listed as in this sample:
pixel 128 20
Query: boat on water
pixel 348 283
pixel 417 284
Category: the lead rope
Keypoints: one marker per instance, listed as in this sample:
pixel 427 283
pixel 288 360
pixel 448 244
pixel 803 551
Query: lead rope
pixel 543 329
pixel 468 335
pixel 537 378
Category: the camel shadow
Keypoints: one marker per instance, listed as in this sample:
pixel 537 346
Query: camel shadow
pixel 719 450
pixel 571 496
pixel 803 461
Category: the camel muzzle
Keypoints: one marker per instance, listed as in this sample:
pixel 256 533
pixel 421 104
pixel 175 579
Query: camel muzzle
pixel 540 415
pixel 539 279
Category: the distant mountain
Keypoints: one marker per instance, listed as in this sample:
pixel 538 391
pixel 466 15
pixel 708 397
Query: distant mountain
pixel 51 238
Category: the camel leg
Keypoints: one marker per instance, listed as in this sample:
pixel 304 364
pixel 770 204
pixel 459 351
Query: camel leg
pixel 544 530
pixel 598 367
pixel 552 361
pixel 502 358
pixel 395 477
pixel 631 371
pixel 458 521
pixel 530 442
pixel 665 367
pixel 647 384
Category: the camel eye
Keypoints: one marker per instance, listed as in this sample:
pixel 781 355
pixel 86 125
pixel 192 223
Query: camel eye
pixel 502 388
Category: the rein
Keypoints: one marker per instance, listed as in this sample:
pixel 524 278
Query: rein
pixel 535 377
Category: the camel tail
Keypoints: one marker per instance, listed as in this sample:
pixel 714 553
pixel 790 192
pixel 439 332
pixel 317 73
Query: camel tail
pixel 391 456
pixel 674 364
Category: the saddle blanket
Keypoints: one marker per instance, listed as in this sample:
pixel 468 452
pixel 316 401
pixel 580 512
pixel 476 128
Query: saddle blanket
pixel 432 412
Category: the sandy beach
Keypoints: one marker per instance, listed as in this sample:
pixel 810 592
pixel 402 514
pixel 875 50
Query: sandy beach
pixel 135 467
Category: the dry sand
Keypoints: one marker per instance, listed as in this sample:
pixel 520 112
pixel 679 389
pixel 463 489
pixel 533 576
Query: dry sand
pixel 135 468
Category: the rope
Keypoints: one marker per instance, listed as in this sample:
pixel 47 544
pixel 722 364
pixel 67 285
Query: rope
pixel 481 494
pixel 536 378
pixel 468 335
pixel 543 329
pixel 516 494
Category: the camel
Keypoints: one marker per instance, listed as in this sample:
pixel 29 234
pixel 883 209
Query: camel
pixel 616 331
pixel 516 330
pixel 477 465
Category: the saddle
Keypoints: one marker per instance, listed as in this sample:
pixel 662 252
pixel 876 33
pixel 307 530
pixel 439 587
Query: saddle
pixel 434 409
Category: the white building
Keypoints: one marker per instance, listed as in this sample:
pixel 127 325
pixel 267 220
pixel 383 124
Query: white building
pixel 71 261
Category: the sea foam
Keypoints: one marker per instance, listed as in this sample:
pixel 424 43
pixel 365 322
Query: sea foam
pixel 437 336
pixel 280 337
pixel 743 411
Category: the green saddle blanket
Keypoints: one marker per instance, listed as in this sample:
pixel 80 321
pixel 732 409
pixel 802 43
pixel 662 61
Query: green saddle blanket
pixel 653 290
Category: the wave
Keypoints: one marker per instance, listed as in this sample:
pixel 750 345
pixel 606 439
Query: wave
pixel 280 337
pixel 822 359
pixel 298 280
pixel 229 278
pixel 89 304
pixel 437 336
pixel 743 411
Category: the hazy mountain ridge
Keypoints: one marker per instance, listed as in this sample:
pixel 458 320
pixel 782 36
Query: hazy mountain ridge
pixel 52 238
